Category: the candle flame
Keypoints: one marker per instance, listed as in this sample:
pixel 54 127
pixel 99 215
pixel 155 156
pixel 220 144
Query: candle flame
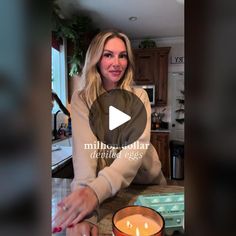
pixel 137 232
pixel 128 224
pixel 145 225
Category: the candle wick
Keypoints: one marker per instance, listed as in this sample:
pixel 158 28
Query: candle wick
pixel 128 224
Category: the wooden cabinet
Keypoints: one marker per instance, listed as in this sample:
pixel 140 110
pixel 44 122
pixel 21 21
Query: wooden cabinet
pixel 151 67
pixel 144 69
pixel 160 140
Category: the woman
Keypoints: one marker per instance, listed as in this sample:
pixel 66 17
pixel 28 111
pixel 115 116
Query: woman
pixel 108 65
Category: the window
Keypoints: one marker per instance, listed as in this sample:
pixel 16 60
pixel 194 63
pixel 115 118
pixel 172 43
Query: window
pixel 58 75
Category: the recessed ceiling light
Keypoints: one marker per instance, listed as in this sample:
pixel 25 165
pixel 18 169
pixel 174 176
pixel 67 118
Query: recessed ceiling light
pixel 133 18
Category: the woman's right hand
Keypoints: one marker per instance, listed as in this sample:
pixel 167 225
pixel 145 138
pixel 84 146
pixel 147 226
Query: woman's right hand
pixel 83 229
pixel 75 207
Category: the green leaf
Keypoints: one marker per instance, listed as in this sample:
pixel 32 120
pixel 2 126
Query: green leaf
pixel 181 101
pixel 79 29
pixel 179 110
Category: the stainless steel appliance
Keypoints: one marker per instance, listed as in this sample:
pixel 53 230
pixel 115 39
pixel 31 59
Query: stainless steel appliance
pixel 150 89
pixel 177 159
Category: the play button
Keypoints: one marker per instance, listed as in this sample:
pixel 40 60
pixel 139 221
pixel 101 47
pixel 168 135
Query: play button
pixel 117 118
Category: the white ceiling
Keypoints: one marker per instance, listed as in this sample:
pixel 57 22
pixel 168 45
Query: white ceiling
pixel 156 18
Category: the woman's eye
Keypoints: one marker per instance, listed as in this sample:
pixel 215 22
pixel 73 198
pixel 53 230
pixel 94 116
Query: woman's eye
pixel 108 55
pixel 123 56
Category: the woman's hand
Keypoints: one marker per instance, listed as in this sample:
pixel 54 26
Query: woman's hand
pixel 84 228
pixel 75 207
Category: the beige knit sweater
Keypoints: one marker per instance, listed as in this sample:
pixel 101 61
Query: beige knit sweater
pixel 107 181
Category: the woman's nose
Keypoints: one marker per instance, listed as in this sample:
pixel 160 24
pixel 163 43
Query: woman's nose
pixel 116 61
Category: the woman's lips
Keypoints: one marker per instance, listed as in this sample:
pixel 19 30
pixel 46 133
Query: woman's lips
pixel 115 73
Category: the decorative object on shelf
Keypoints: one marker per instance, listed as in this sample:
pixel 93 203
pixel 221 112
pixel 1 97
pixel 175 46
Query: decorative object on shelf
pixel 147 43
pixel 177 60
pixel 79 30
pixel 180 110
pixel 157 119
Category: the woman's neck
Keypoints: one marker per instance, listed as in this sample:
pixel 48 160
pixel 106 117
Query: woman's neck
pixel 107 85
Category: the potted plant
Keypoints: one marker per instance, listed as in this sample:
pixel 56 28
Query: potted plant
pixel 180 110
pixel 147 43
pixel 79 31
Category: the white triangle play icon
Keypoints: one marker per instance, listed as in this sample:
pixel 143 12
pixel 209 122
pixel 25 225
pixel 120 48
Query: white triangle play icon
pixel 117 118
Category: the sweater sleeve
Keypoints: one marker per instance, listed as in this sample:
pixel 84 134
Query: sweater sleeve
pixel 123 169
pixel 84 166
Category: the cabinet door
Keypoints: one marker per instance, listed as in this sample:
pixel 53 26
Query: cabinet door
pixel 162 82
pixel 151 67
pixel 144 67
pixel 161 142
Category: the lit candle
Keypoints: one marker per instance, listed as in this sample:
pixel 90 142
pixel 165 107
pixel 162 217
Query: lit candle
pixel 136 221
pixel 138 224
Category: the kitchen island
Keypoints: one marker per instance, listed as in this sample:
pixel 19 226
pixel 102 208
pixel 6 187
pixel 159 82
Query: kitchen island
pixel 61 188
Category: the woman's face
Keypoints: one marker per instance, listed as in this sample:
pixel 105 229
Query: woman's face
pixel 113 62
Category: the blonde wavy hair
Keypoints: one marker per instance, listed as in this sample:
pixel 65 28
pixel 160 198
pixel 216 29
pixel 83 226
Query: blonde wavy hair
pixel 90 86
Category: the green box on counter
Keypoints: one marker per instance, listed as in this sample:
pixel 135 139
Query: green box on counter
pixel 169 205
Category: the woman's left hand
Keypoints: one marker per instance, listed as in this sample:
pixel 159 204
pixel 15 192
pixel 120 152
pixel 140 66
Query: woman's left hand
pixel 75 207
pixel 83 228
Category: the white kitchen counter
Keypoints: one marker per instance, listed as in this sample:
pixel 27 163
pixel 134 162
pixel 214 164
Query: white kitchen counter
pixel 60 154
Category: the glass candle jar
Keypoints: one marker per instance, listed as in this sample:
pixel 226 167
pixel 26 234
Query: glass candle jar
pixel 137 221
